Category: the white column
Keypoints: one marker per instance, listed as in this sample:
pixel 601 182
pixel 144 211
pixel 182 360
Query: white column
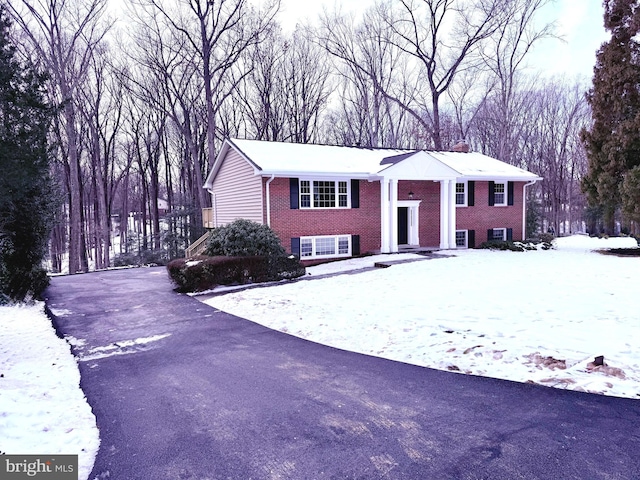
pixel 444 214
pixel 393 211
pixel 452 214
pixel 385 241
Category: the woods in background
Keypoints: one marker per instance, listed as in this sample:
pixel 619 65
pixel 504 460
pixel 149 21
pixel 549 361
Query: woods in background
pixel 146 101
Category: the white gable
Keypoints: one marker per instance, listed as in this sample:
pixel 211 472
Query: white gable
pixel 420 166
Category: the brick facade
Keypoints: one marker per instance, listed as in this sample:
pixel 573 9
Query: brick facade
pixel 481 217
pixel 365 221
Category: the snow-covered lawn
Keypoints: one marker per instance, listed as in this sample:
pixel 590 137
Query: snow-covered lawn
pixel 42 408
pixel 537 316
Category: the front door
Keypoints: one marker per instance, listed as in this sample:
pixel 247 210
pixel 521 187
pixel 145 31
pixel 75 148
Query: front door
pixel 403 225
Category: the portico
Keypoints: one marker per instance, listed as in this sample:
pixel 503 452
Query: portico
pixel 418 167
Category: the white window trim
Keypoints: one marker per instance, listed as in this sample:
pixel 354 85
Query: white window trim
pixel 504 234
pixel 336 238
pixel 466 194
pixel 504 202
pixel 466 239
pixel 320 179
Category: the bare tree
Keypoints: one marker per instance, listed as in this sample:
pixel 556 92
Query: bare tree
pixel 369 67
pixel 505 54
pixel 65 35
pixel 443 37
pixel 263 93
pixel 307 81
pixel 218 32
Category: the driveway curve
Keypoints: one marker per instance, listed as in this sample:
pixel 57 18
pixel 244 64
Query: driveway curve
pixel 183 391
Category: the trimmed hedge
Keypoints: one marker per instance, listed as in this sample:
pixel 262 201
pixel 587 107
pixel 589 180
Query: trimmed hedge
pixel 514 246
pixel 204 272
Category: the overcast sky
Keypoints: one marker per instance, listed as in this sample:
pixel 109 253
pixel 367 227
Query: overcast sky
pixel 579 22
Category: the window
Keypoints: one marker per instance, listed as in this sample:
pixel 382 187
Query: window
pixel 499 234
pixel 461 194
pixel 325 246
pixel 306 247
pixel 499 194
pixel 461 238
pixel 324 194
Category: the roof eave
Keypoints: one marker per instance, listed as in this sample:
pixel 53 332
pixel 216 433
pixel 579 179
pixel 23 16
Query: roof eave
pixel 314 174
pixel 506 178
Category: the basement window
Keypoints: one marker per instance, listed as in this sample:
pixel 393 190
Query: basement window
pixel 325 247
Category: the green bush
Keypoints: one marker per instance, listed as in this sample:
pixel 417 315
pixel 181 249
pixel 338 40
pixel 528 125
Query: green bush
pixel 509 245
pixel 244 238
pixel 546 237
pixel 203 272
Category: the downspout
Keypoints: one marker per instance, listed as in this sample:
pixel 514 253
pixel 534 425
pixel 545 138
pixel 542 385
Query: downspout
pixel 268 194
pixel 524 208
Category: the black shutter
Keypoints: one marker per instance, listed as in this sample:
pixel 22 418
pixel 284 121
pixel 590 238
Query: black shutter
pixel 295 246
pixel 471 194
pixel 510 234
pixel 355 193
pixel 355 244
pixel 471 239
pixel 510 193
pixel 294 193
pixel 492 194
pixel 489 234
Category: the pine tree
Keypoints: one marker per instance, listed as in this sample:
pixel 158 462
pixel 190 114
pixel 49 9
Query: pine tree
pixel 613 142
pixel 26 192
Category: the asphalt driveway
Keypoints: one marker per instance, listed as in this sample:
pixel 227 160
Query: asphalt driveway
pixel 183 391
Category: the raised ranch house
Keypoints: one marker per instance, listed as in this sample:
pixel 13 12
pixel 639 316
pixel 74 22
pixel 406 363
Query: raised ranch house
pixel 330 201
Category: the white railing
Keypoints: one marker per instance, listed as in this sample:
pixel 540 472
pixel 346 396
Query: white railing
pixel 197 247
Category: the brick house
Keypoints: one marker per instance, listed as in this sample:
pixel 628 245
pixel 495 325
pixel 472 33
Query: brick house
pixel 330 201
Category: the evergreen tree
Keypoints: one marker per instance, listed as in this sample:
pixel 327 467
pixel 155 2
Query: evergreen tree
pixel 26 193
pixel 613 142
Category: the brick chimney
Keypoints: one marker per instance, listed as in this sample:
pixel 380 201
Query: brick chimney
pixel 462 146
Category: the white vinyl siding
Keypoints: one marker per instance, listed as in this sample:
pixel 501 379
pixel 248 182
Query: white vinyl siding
pixel 237 192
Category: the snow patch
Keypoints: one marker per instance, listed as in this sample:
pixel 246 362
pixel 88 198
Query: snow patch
pixel 124 347
pixel 42 408
pixel 513 315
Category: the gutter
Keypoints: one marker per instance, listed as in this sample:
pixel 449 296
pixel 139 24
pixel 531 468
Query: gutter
pixel 268 194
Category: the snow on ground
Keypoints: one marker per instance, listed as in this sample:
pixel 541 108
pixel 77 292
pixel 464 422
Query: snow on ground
pixel 42 408
pixel 536 316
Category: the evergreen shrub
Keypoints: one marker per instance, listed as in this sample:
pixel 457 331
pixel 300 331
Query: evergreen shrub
pixel 244 238
pixel 203 272
pixel 239 253
pixel 511 246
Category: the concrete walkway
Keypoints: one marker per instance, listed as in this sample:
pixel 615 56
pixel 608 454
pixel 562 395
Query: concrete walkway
pixel 183 391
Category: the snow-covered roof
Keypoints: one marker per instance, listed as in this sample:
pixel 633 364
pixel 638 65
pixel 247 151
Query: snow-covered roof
pixel 476 166
pixel 294 159
pixel 279 157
